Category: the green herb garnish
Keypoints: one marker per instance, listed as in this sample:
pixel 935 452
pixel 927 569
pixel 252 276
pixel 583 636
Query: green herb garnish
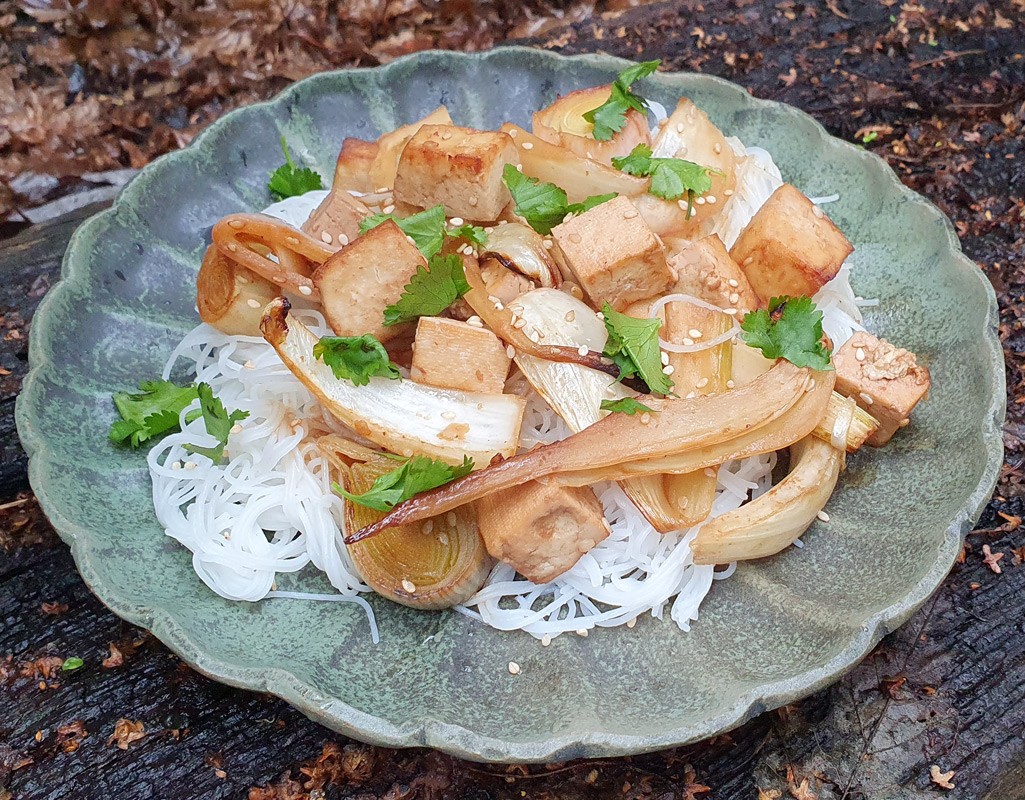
pixel 430 291
pixel 288 180
pixel 155 410
pixel 626 405
pixel 426 228
pixel 633 346
pixel 218 423
pixel 790 328
pixel 356 358
pixel 474 234
pixel 544 205
pixel 610 117
pixel 418 474
pixel 671 178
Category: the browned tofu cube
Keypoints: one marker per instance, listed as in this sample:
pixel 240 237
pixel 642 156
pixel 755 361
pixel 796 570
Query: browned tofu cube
pixel 886 381
pixel 460 168
pixel 541 528
pixel 457 355
pixel 613 253
pixel 336 220
pixel 790 247
pixel 359 281
pixel 355 162
pixel 704 269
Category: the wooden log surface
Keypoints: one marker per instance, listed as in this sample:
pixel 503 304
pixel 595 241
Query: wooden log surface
pixel 945 691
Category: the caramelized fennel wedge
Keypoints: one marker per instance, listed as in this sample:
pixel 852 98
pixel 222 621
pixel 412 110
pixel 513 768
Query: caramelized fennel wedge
pixel 679 427
pixel 775 519
pixel 230 297
pixel 432 565
pixel 401 416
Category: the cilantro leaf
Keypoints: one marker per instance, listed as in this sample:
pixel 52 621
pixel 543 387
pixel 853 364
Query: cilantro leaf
pixel 633 346
pixel 791 328
pixel 356 358
pixel 218 423
pixel 430 291
pixel 626 405
pixel 474 234
pixel 152 412
pixel 288 180
pixel 610 117
pixel 671 178
pixel 544 205
pixel 426 228
pixel 72 663
pixel 418 474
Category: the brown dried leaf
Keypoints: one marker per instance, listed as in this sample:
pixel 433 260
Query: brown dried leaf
pixel 941 779
pixel 125 732
pixel 991 559
pixel 115 659
pixel 54 609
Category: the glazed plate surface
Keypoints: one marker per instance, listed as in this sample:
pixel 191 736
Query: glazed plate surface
pixel 777 630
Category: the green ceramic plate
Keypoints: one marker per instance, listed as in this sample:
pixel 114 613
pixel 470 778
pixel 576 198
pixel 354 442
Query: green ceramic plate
pixel 777 630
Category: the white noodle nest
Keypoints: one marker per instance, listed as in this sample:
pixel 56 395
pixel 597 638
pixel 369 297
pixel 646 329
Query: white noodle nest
pixel 269 508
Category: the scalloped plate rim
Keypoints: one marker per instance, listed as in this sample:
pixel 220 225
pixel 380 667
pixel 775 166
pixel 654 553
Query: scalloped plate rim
pixel 456 739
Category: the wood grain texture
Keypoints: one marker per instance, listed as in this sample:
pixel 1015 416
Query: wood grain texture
pixel 945 690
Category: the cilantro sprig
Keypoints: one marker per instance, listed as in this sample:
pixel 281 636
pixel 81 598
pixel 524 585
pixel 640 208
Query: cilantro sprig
pixel 356 358
pixel 427 229
pixel 290 180
pixel 671 178
pixel 418 474
pixel 430 291
pixel 610 117
pixel 633 346
pixel 153 411
pixel 544 205
pixel 626 405
pixel 218 423
pixel 790 328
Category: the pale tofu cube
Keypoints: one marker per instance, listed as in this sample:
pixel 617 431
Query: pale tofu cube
pixel 451 354
pixel 460 168
pixel 336 220
pixel 355 162
pixel 790 247
pixel 362 279
pixel 884 380
pixel 389 147
pixel 705 270
pixel 614 255
pixel 541 528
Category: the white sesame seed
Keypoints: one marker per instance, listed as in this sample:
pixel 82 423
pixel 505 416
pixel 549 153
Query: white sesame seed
pixel 583 350
pixel 381 190
pixel 411 240
pixel 730 384
pixel 582 632
pixel 519 323
pixel 817 212
pixel 514 668
pixel 176 465
pixel 694 333
pixel 510 351
pixel 408 585
pixel 701 384
pixel 679 127
pixel 428 526
pixel 631 623
pixel 343 239
pixel 570 316
pixel 860 354
pixel 443 539
pixel 630 213
pixel 549 244
pixel 700 201
pixel 249 365
pixel 305 290
pixel 866 398
pixel 456 221
pixel 451 518
pixel 475 322
pixel 448 415
pixel 711 199
pixel 575 238
pixel 512 133
pixel 669 369
pixel 528 145
pixel 748 261
pixel 326 237
pixel 599 315
pixel 734 297
pixel 687 341
pixel 665 358
pixel 904 423
pixel 733 282
pixel 191 465
pixel 730 311
pixel 546 640
pixel 474 200
pixel 645 418
pixel 253 303
pixel 388 208
pixel 822 515
pixel 709 472
pixel 717 148
pixel 690 395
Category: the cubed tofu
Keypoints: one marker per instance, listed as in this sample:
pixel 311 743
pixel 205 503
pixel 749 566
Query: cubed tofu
pixel 704 269
pixel 614 255
pixel 790 247
pixel 541 528
pixel 460 168
pixel 884 380
pixel 390 145
pixel 359 281
pixel 451 354
pixel 336 220
pixel 355 162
